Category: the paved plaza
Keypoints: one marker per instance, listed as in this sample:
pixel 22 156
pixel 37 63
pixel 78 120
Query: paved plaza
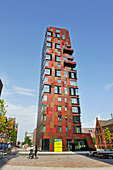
pixel 49 162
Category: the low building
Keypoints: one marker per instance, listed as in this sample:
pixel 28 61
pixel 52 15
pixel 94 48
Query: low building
pixel 30 135
pixel 34 137
pixel 89 130
pixel 101 125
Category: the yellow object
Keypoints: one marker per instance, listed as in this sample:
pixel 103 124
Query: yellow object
pixel 58 145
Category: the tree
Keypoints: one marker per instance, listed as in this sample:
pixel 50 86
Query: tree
pixel 94 140
pixel 27 140
pixel 3 107
pixel 7 125
pixel 107 134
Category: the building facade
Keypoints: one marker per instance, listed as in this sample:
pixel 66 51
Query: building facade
pixel 101 125
pixel 59 107
pixel 34 137
pixel 1 85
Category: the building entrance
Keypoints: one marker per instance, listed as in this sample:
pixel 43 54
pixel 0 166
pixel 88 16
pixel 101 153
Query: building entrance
pixel 81 145
pixel 45 144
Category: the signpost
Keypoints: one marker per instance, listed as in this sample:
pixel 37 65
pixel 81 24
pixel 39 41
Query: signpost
pixel 57 145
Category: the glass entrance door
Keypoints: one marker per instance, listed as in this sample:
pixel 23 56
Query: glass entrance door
pixel 45 144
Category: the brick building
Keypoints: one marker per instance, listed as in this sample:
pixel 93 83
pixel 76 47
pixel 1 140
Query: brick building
pixel 101 142
pixel 59 107
pixel 34 137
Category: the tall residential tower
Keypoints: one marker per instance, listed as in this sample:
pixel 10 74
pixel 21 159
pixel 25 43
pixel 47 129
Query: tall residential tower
pixel 59 124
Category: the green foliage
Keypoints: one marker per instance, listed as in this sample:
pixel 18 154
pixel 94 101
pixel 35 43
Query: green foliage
pixel 3 107
pixel 7 126
pixel 107 134
pixel 94 140
pixel 28 141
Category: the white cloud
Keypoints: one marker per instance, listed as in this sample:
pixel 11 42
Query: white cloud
pixel 26 117
pixel 24 91
pixel 108 86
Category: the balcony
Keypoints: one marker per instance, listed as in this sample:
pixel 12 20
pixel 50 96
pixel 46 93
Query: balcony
pixel 70 58
pixel 69 64
pixel 68 51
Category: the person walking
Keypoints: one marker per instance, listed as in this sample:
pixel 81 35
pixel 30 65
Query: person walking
pixel 36 152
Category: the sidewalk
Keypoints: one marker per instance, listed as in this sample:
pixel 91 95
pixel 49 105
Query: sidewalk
pixel 13 167
pixel 55 162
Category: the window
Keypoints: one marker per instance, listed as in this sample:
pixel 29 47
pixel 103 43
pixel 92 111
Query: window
pixel 63 36
pixel 57 89
pixel 48 57
pixel 58 73
pixel 65 73
pixel 59 99
pixel 73 91
pixel 48 38
pixel 59 118
pixel 64 81
pixel 74 101
pixel 46 63
pixel 66 118
pixel 57 35
pixel 46 79
pixel 76 119
pixel 72 75
pixel 65 109
pixel 44 128
pixel 76 91
pixel 59 128
pixel 57 30
pixel 66 90
pixel 74 109
pixel 57 46
pixel 47 88
pixel 45 107
pixel 66 128
pixel 49 44
pixel 47 50
pixel 44 117
pixel 58 41
pixel 58 52
pixel 76 129
pixel 63 46
pixel 45 98
pixel 73 83
pixel 59 108
pixel 49 33
pixel 64 58
pixel 57 58
pixel 47 71
pixel 59 66
pixel 51 29
pixel 65 100
pixel 59 81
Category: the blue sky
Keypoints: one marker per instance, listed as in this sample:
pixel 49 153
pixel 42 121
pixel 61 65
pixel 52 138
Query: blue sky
pixel 22 28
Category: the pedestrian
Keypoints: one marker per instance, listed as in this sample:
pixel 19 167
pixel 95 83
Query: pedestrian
pixel 35 152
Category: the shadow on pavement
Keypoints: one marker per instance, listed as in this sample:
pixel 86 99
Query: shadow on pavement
pixel 8 157
pixel 109 160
